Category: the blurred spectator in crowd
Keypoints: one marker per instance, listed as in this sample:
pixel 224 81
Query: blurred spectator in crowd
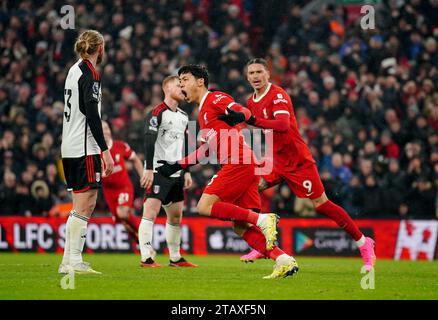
pixel 372 203
pixel 8 195
pixel 388 148
pixel 395 187
pixel 304 208
pixel 420 200
pixel 353 197
pixel 42 202
pixel 334 188
pixel 283 204
pixel 339 171
pixel 24 202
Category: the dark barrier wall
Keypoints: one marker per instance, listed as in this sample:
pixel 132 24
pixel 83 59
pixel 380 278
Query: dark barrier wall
pixel 395 239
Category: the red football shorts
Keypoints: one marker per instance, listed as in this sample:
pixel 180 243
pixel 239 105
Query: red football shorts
pixel 304 181
pixel 236 184
pixel 118 197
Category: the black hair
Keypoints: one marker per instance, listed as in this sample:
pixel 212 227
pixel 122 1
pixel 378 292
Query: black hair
pixel 197 70
pixel 261 61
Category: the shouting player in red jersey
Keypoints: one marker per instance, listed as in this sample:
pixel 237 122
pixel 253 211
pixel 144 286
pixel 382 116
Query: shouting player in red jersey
pixel 232 193
pixel 117 187
pixel 293 162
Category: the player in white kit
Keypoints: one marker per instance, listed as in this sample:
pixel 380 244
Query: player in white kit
pixel 82 143
pixel 166 126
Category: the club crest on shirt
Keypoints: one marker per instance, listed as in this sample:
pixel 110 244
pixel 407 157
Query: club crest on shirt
pixel 280 98
pixel 265 114
pixel 96 90
pixel 156 189
pixel 95 87
pixel 154 122
pixel 97 176
pixel 117 157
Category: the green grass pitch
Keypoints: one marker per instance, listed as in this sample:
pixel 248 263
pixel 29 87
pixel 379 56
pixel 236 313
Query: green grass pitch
pixel 34 276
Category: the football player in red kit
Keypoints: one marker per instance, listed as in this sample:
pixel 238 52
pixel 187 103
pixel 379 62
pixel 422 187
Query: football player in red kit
pixel 293 162
pixel 117 187
pixel 232 193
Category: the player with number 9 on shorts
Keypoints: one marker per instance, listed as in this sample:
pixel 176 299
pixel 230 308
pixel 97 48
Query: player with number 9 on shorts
pixel 293 162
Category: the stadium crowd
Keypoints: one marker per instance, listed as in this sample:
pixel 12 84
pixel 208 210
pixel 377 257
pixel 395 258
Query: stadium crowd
pixel 366 100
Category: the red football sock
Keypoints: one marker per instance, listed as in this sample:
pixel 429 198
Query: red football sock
pixel 274 253
pixel 341 217
pixel 133 221
pixel 230 212
pixel 256 240
pixel 131 224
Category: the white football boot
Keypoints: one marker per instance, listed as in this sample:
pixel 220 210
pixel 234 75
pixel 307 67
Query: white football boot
pixel 84 268
pixel 64 268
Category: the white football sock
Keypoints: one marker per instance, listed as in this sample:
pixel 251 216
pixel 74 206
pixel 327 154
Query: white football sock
pixel 282 259
pixel 173 239
pixel 66 256
pixel 145 231
pixel 361 241
pixel 77 227
pixel 261 219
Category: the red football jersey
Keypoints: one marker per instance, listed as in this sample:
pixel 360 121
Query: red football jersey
pixel 289 148
pixel 231 147
pixel 119 177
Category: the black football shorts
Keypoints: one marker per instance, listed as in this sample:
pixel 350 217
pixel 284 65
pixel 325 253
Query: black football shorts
pixel 168 190
pixel 83 173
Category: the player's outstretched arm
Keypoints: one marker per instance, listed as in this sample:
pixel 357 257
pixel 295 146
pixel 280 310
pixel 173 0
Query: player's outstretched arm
pixel 237 114
pixel 234 114
pixel 281 123
pixel 167 169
